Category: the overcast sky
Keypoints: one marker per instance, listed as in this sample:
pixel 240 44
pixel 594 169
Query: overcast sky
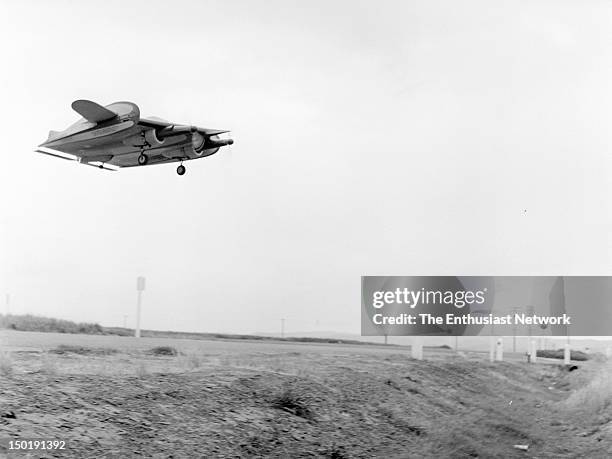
pixel 371 138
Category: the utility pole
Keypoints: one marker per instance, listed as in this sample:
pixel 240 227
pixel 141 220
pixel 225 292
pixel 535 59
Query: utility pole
pixel 515 311
pixel 140 286
pixel 530 311
pixel 283 327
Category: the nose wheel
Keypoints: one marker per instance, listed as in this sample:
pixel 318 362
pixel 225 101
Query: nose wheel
pixel 143 159
pixel 181 170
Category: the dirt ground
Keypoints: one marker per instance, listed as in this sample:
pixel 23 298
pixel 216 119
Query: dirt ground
pixel 125 401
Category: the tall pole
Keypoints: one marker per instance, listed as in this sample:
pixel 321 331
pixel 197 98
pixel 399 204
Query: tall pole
pixel 515 311
pixel 282 328
pixel 140 286
pixel 530 312
pixel 138 306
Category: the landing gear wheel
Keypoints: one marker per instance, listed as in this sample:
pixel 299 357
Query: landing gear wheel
pixel 143 159
pixel 181 170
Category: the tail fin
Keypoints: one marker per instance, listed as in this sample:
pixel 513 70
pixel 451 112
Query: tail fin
pixel 92 111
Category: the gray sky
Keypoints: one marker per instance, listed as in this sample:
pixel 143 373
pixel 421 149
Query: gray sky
pixel 372 138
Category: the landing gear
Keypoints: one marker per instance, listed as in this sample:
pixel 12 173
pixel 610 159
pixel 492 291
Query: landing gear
pixel 143 159
pixel 181 170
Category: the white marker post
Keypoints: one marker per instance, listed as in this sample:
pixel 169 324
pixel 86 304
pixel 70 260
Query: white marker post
pixel 140 286
pixel 499 350
pixel 417 348
pixel 533 350
pixel 567 356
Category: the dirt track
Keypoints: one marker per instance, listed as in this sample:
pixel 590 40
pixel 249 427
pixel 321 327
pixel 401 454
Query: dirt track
pixel 290 403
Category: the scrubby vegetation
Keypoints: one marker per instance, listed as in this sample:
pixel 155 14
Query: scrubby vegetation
pixel 193 335
pixel 82 350
pixel 558 354
pixel 289 399
pixel 164 350
pixel 30 322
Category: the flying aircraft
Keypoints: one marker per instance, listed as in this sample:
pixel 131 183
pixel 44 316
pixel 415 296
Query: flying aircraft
pixel 116 136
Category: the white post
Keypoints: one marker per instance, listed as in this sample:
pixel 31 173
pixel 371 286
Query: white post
pixel 608 352
pixel 534 351
pixel 567 354
pixel 491 348
pixel 140 286
pixel 417 348
pixel 499 350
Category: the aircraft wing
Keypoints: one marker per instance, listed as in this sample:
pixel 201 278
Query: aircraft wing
pixel 111 163
pixel 178 128
pixel 71 157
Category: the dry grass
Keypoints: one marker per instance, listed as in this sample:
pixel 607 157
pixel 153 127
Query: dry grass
pixel 442 408
pixel 475 432
pixel 6 364
pixel 192 361
pixel 49 365
pixel 595 396
pixel 142 370
pixel 292 363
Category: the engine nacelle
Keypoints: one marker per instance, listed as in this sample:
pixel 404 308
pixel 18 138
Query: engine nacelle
pixel 199 142
pixel 203 144
pixel 149 139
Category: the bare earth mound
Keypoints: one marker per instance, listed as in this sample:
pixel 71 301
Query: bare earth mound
pixel 293 404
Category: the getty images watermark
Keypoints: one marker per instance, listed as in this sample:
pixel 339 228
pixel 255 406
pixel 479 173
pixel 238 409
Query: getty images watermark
pixel 470 305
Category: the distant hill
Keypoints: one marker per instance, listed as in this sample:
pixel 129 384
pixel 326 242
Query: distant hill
pixel 29 322
pixel 34 323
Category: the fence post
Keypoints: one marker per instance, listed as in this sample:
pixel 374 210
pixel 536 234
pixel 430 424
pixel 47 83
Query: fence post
pixel 499 350
pixel 417 348
pixel 567 356
pixel 534 351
